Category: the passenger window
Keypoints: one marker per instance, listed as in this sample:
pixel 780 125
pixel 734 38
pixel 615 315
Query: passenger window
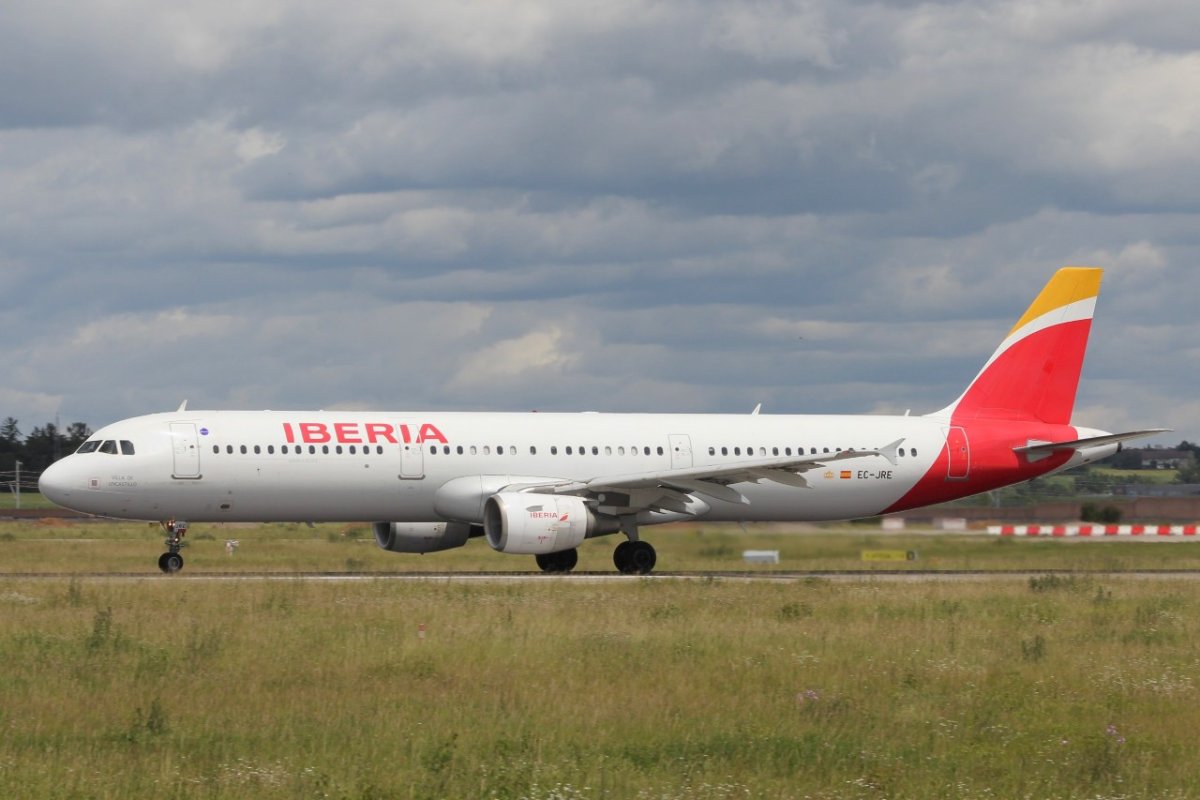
pixel 284 449
pixel 595 450
pixel 460 449
pixel 553 449
pixel 621 450
pixel 787 451
pixel 712 451
pixel 532 450
pixel 607 450
pixel 312 449
pixel 229 449
pixel 243 449
pixel 902 452
pixel 499 449
pixel 474 450
pixel 724 451
pixel 216 448
pixel 257 450
pixel 512 449
pixel 660 451
pixel 487 451
pixel 271 449
pixel 737 451
pixel 646 450
pixel 774 451
pixel 913 452
pixel 569 451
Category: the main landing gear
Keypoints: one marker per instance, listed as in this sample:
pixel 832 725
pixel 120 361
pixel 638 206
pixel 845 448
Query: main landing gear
pixel 171 562
pixel 562 561
pixel 630 558
pixel 633 557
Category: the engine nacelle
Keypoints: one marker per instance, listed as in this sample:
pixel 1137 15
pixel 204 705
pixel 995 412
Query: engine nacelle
pixel 421 537
pixel 535 524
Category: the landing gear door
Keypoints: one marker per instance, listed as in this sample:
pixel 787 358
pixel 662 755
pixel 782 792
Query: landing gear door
pixel 959 450
pixel 412 461
pixel 186 451
pixel 681 450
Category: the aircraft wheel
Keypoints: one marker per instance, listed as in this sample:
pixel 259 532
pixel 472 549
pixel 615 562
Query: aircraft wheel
pixel 634 558
pixel 641 558
pixel 562 561
pixel 621 557
pixel 170 562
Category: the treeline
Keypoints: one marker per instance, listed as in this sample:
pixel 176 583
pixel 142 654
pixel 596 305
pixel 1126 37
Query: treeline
pixel 39 448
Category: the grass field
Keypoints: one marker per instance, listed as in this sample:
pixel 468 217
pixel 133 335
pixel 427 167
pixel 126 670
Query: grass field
pixel 54 545
pixel 28 500
pixel 1055 687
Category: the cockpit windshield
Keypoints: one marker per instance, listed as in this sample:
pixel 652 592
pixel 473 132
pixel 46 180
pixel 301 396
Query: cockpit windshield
pixel 110 446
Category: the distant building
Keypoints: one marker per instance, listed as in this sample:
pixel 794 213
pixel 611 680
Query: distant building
pixel 1162 457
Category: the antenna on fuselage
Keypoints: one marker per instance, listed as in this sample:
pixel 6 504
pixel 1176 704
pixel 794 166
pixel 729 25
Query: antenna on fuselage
pixel 182 407
pixel 757 409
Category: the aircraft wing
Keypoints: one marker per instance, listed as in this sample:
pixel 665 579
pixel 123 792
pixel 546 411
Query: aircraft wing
pixel 669 489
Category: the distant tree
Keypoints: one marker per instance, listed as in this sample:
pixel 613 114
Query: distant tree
pixel 1128 458
pixel 77 433
pixel 10 440
pixel 43 446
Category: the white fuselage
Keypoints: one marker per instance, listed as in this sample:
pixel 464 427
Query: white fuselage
pixel 359 466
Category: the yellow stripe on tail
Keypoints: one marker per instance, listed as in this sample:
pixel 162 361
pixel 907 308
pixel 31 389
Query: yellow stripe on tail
pixel 1069 285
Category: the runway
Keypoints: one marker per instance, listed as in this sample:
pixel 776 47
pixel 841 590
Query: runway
pixel 791 576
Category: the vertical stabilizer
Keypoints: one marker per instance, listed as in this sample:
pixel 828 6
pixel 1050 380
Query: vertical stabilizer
pixel 1034 374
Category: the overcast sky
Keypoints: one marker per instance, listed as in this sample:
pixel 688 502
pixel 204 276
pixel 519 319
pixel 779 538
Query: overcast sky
pixel 628 206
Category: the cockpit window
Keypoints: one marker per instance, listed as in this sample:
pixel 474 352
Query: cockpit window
pixel 126 447
pixel 108 446
pixel 89 447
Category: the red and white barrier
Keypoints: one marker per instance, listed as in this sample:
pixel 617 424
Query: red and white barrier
pixel 1084 529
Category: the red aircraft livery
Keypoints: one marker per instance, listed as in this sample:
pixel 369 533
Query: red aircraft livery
pixel 359 433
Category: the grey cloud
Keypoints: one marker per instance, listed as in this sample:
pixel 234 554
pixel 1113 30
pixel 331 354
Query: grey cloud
pixel 290 204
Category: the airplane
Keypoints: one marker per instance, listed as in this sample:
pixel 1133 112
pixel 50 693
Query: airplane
pixel 541 483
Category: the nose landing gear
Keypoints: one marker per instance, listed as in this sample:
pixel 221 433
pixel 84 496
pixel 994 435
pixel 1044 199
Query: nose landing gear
pixel 171 562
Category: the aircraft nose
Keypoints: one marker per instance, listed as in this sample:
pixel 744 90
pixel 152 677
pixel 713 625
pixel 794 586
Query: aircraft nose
pixel 56 484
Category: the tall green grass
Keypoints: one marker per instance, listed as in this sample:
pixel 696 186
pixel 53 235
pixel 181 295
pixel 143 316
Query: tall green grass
pixel 1060 687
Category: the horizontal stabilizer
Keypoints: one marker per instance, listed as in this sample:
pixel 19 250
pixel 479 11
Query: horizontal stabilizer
pixel 1035 450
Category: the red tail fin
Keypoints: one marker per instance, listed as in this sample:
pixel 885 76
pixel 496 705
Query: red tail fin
pixel 1034 373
